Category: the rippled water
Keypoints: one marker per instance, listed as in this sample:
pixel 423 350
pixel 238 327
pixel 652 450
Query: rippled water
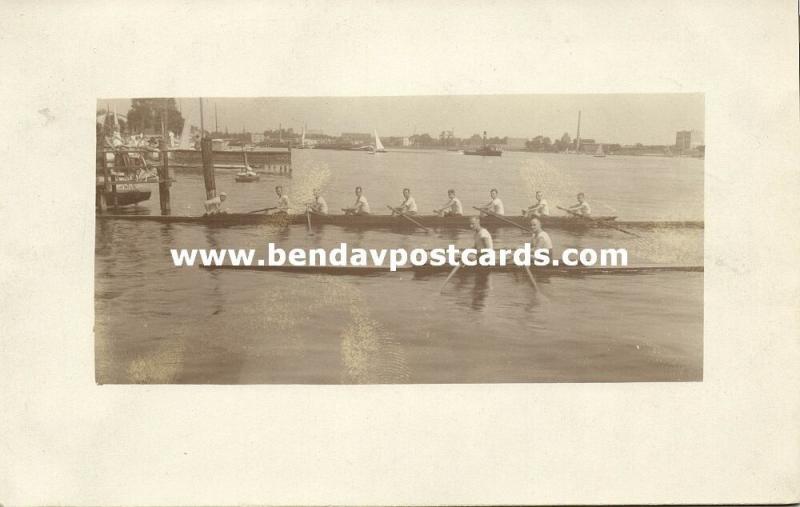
pixel 160 324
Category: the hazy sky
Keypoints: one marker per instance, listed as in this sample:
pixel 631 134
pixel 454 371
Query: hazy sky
pixel 625 119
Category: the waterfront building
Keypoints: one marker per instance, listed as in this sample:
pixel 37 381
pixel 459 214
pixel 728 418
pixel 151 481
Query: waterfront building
pixel 689 139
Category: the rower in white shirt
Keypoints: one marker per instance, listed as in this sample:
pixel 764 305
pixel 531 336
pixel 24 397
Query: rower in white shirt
pixel 214 205
pixel 360 207
pixel 452 208
pixel 482 239
pixel 495 205
pixel 408 206
pixel 283 201
pixel 540 240
pixel 540 209
pixel 582 208
pixel 318 205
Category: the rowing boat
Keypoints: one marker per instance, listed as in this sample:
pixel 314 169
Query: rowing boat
pixel 398 222
pixel 428 269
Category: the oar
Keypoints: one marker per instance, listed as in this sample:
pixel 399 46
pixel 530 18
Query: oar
pixel 453 272
pixel 604 223
pixel 532 279
pixel 308 220
pixel 410 219
pixel 504 219
pixel 260 210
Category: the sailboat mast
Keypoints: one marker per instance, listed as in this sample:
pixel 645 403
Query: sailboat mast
pixel 578 136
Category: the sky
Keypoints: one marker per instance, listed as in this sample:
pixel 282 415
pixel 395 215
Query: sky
pixel 619 118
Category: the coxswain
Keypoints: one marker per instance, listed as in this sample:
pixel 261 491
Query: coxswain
pixel 540 240
pixel 214 205
pixel 318 205
pixel 495 205
pixel 408 206
pixel 452 208
pixel 582 208
pixel 539 209
pixel 360 207
pixel 283 201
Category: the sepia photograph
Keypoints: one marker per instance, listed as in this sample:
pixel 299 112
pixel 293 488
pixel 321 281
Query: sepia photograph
pixel 374 253
pixel 192 194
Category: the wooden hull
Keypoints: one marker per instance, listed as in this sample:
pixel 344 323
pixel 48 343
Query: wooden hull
pixel 395 222
pixel 538 272
pixel 124 198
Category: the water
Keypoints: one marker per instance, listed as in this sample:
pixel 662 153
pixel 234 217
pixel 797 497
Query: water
pixel 160 324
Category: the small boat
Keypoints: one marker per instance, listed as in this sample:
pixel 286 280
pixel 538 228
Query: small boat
pixel 399 223
pixel 125 169
pixel 378 144
pixel 248 176
pixel 599 152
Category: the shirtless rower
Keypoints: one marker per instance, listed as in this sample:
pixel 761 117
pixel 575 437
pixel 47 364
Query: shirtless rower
pixel 360 207
pixel 582 208
pixel 495 205
pixel 283 201
pixel 214 205
pixel 408 206
pixel 318 205
pixel 451 208
pixel 539 209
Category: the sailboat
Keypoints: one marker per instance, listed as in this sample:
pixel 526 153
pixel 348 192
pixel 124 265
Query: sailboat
pixel 303 144
pixel 378 144
pixel 599 152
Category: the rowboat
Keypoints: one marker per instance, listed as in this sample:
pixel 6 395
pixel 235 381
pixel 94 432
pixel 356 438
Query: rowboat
pixel 428 269
pixel 399 222
pixel 247 177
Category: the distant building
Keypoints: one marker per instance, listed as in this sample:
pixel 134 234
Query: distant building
pixel 258 137
pixel 689 139
pixel 515 143
pixel 587 145
pixel 406 142
pixel 356 137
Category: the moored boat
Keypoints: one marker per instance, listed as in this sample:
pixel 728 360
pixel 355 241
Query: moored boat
pixel 247 178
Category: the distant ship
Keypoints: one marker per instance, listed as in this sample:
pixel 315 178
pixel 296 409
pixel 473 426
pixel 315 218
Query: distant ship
pixel 486 150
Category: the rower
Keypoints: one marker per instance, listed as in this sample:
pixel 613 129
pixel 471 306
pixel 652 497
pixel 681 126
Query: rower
pixel 495 205
pixel 283 201
pixel 452 207
pixel 214 205
pixel 360 207
pixel 408 206
pixel 318 205
pixel 582 208
pixel 482 238
pixel 540 239
pixel 540 209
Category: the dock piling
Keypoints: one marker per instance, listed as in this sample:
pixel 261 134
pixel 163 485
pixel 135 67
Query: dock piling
pixel 164 180
pixel 208 167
